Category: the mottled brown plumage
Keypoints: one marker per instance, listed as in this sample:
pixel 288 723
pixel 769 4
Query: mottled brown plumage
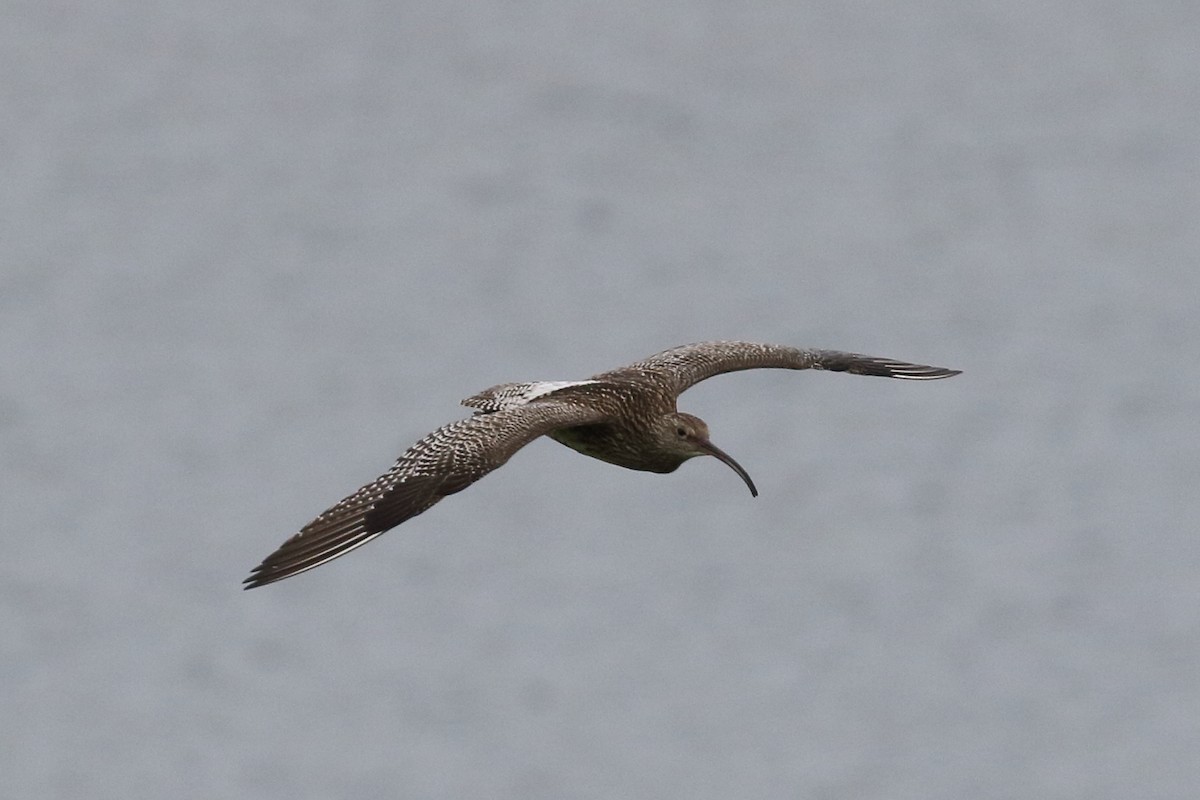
pixel 626 417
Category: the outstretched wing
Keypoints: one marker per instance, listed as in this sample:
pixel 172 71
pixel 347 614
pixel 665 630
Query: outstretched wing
pixel 682 367
pixel 446 461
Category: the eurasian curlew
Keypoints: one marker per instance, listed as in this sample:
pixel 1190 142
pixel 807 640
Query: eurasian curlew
pixel 626 416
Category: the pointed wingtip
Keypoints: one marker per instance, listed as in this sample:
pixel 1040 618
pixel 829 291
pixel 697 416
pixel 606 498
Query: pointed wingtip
pixel 912 372
pixel 919 372
pixel 255 579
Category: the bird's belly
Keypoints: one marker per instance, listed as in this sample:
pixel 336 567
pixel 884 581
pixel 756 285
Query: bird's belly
pixel 603 443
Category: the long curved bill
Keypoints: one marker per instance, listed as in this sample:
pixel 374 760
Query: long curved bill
pixel 717 452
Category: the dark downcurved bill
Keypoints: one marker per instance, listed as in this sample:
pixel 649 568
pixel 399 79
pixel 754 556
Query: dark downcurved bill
pixel 717 452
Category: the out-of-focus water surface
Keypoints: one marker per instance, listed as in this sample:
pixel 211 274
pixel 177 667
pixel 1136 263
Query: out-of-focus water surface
pixel 250 251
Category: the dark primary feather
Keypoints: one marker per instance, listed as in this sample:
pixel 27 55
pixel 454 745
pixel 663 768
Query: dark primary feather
pixel 446 461
pixel 683 367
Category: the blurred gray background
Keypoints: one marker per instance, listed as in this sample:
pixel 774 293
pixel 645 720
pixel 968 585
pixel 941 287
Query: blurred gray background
pixel 249 251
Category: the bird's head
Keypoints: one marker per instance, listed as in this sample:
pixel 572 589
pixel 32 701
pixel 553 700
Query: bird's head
pixel 685 436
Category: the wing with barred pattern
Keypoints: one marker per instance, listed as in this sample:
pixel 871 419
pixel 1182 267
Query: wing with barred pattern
pixel 683 367
pixel 446 461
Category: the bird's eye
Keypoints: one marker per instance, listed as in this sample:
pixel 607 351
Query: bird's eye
pixel 682 431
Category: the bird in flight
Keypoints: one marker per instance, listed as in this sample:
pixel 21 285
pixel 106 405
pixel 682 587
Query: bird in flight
pixel 626 416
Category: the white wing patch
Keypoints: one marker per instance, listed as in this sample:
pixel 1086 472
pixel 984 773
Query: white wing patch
pixel 546 387
pixel 511 395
